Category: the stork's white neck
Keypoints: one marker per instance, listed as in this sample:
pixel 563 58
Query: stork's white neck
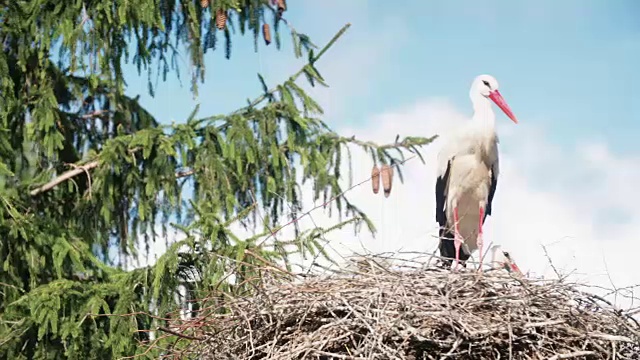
pixel 483 116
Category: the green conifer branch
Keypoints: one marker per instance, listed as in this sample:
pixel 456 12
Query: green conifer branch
pixel 57 245
pixel 306 69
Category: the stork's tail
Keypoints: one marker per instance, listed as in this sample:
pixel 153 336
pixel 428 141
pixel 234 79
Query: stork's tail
pixel 448 249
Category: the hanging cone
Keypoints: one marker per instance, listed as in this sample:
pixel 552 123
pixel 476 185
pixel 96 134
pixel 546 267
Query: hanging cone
pixel 387 178
pixel 204 3
pixel 375 179
pixel 221 19
pixel 282 6
pixel 266 33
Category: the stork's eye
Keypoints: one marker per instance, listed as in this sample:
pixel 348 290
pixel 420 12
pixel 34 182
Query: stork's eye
pixel 486 83
pixel 506 254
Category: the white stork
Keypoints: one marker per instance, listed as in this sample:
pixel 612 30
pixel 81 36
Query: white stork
pixel 468 170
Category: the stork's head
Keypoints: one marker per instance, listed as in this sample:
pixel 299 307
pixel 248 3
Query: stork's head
pixel 487 86
pixel 502 259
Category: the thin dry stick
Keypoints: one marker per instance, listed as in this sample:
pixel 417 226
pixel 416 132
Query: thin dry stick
pixel 571 355
pixel 262 219
pixel 546 254
pixel 333 199
pixel 173 332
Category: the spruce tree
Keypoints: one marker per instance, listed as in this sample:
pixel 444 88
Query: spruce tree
pixel 84 169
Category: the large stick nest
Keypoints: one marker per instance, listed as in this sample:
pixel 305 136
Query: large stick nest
pixel 430 313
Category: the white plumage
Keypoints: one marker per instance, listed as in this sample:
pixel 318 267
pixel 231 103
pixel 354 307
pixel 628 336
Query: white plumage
pixel 468 169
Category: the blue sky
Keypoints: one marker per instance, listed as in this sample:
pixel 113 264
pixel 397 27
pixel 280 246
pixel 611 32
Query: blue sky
pixel 569 170
pixel 568 65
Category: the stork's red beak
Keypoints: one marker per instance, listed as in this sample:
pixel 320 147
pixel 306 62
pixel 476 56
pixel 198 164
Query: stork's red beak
pixel 515 268
pixel 502 104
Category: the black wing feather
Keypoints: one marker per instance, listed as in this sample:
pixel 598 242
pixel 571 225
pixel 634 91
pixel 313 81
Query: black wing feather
pixel 492 192
pixel 441 187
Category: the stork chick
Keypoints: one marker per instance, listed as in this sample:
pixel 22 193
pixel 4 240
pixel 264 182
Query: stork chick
pixel 501 259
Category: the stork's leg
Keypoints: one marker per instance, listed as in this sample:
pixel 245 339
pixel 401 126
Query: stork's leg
pixel 479 238
pixel 457 240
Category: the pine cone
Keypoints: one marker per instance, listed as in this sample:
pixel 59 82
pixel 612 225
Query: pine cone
pixel 204 3
pixel 375 179
pixel 282 5
pixel 221 19
pixel 266 33
pixel 387 178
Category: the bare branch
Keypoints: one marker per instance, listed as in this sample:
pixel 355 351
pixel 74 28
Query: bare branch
pixel 178 334
pixel 64 177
